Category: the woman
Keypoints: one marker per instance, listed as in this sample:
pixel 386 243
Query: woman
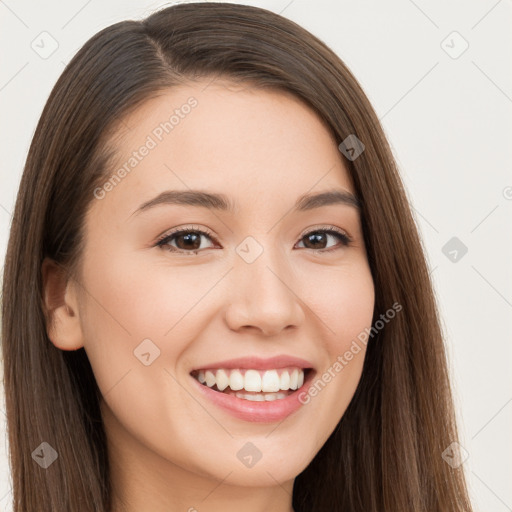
pixel 147 371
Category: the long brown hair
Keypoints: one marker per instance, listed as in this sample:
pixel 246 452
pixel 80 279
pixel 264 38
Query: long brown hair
pixel 386 452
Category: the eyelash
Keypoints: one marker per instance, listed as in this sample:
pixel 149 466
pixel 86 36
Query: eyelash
pixel 331 230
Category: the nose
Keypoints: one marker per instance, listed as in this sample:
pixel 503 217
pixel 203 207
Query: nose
pixel 265 295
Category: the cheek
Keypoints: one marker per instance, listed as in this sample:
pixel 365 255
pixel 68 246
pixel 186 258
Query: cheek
pixel 132 300
pixel 342 301
pixel 139 320
pixel 138 298
pixel 135 299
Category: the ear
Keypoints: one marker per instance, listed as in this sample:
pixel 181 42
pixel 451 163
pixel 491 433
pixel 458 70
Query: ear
pixel 61 303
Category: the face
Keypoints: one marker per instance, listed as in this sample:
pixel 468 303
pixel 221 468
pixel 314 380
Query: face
pixel 263 279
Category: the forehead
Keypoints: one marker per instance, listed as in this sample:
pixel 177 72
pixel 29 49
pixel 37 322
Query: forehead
pixel 253 145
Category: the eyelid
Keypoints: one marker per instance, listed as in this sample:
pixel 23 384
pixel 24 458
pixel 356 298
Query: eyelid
pixel 187 227
pixel 191 227
pixel 326 227
pixel 346 237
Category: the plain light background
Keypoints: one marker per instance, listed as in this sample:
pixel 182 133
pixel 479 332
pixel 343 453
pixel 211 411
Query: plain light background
pixel 446 110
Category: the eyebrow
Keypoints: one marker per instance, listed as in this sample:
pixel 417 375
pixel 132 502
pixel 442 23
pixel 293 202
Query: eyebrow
pixel 221 202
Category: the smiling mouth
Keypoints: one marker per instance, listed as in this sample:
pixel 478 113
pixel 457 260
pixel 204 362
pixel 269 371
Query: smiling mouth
pixel 252 384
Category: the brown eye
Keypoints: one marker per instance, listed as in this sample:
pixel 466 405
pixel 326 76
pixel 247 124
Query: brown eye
pixel 187 241
pixel 317 239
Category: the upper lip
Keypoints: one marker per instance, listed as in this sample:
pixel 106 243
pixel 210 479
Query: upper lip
pixel 258 363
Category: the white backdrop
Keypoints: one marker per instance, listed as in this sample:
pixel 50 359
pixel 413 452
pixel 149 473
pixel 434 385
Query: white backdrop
pixel 439 76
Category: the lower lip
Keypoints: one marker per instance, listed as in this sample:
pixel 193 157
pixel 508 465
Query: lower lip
pixel 272 411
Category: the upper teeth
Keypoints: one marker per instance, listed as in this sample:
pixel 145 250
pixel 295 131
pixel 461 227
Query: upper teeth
pixel 253 380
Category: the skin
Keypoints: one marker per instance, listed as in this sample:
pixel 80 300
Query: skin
pixel 171 448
